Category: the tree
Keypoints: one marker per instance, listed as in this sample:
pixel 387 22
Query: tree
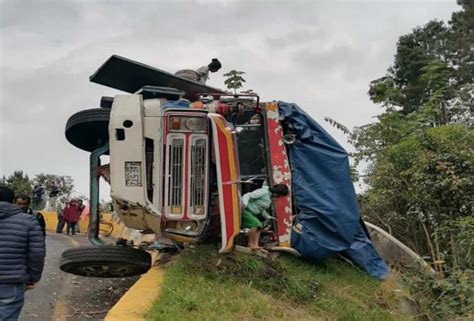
pixel 434 63
pixel 421 184
pixel 420 173
pixel 234 80
pixel 64 183
pixel 419 151
pixel 19 182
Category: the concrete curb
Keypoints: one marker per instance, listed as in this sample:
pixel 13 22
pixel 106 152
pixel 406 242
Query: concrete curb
pixel 139 298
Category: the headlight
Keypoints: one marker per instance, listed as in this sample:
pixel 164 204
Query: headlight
pixel 196 124
pixel 188 226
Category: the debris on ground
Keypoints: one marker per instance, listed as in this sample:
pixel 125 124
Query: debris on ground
pixel 92 298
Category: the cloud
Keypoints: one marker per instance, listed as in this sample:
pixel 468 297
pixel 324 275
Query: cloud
pixel 319 54
pixel 38 16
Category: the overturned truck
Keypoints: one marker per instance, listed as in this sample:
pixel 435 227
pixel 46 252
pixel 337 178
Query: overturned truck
pixel 181 155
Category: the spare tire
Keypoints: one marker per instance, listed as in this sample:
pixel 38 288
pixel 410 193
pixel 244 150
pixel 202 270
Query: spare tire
pixel 105 261
pixel 88 129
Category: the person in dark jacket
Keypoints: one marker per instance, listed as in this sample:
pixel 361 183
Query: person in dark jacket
pixel 38 192
pixel 24 201
pixel 81 207
pixel 22 252
pixel 53 195
pixel 60 212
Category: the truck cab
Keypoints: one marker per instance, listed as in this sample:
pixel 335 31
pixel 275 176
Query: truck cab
pixel 175 170
pixel 179 163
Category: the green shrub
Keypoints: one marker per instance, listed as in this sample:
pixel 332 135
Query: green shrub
pixel 442 298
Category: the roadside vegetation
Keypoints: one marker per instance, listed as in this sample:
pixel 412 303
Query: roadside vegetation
pixel 201 284
pixel 20 183
pixel 419 165
pixel 419 159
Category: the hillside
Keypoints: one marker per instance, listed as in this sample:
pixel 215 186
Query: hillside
pixel 200 284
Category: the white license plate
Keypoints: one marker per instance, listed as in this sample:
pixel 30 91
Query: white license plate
pixel 133 174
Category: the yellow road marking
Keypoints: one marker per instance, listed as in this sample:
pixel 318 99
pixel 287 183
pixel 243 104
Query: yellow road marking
pixel 60 312
pixel 74 242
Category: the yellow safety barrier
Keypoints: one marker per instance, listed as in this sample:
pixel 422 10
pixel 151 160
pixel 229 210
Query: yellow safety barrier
pixel 108 222
pixel 51 219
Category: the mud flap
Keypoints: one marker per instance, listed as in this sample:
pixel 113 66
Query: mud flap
pixel 227 179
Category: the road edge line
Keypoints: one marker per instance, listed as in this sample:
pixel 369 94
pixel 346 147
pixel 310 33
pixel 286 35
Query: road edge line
pixel 60 311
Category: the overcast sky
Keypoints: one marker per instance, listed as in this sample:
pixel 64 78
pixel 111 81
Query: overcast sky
pixel 318 54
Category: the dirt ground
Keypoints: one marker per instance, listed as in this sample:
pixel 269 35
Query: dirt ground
pixel 91 298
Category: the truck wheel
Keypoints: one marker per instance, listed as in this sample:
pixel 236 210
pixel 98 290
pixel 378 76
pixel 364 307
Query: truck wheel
pixel 88 129
pixel 105 261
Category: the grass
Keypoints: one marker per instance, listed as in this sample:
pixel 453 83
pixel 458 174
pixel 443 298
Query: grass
pixel 200 284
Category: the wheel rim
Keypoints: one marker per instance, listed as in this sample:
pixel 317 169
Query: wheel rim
pixel 107 261
pixel 107 270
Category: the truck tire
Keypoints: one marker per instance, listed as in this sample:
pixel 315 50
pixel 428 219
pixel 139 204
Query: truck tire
pixel 105 261
pixel 88 129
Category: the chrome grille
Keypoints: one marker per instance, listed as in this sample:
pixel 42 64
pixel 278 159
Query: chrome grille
pixel 175 177
pixel 198 175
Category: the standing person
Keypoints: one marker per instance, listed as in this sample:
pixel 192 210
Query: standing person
pixel 256 204
pixel 60 213
pixel 81 207
pixel 22 252
pixel 38 192
pixel 71 216
pixel 53 195
pixel 24 201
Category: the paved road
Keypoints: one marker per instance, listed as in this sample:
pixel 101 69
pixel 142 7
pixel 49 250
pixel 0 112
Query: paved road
pixel 64 297
pixel 40 302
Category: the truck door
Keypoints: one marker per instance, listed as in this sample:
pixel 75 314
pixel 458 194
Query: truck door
pixel 227 169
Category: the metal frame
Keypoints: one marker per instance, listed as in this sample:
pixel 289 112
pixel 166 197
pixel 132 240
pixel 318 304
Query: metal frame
pixel 94 219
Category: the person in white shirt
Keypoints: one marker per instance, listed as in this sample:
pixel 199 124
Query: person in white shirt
pixel 201 74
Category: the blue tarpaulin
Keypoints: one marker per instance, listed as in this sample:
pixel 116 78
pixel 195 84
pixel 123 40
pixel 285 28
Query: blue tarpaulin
pixel 325 199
